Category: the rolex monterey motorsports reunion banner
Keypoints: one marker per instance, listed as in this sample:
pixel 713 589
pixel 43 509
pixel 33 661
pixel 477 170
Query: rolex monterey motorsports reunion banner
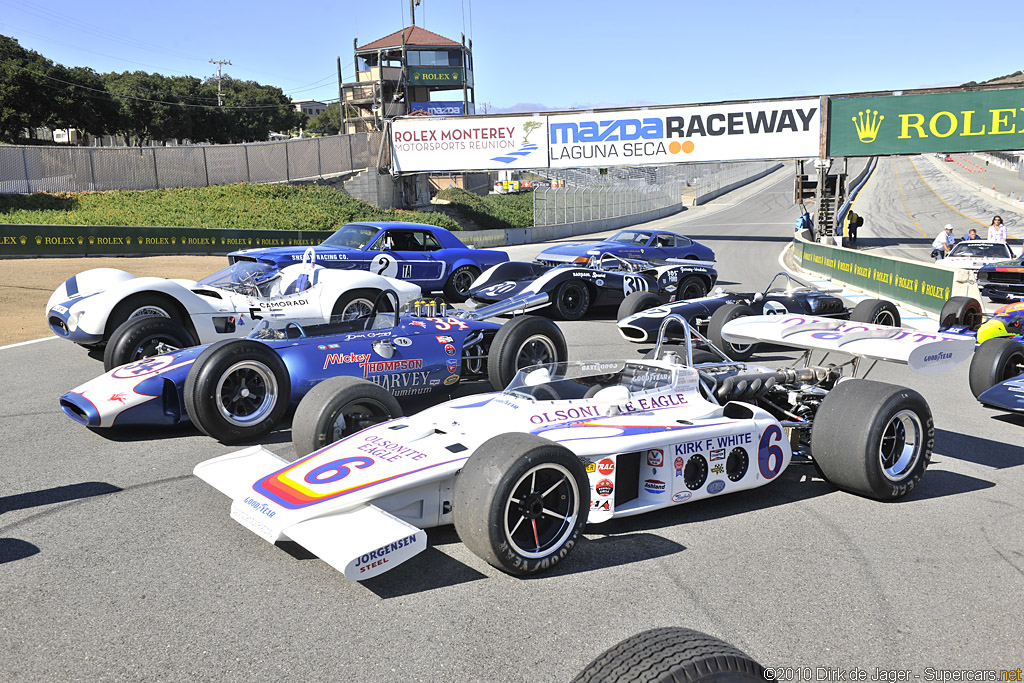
pixel 724 132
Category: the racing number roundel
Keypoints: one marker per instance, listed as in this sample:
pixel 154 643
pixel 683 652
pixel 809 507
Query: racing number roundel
pixel 769 454
pixel 385 265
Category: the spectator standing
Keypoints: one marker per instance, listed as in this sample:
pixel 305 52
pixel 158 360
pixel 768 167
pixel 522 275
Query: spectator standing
pixel 997 231
pixel 972 234
pixel 943 243
pixel 853 221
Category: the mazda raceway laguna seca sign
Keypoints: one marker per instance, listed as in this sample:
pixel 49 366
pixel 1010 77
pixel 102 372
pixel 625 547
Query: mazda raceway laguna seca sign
pixel 779 129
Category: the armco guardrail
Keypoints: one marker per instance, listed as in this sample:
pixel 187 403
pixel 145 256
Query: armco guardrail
pixel 105 240
pixel 917 284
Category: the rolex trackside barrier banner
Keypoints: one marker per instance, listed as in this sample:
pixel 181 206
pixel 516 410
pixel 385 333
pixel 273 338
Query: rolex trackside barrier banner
pixel 75 240
pixel 939 122
pixel 918 284
pixel 469 143
pixel 781 129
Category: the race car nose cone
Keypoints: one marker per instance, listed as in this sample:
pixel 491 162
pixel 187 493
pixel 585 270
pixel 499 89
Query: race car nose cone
pixel 80 409
pixel 991 329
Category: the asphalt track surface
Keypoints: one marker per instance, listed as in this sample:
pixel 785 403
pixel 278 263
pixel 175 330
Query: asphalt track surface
pixel 116 564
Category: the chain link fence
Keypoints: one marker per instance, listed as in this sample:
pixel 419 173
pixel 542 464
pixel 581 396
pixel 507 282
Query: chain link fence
pixel 25 169
pixel 587 194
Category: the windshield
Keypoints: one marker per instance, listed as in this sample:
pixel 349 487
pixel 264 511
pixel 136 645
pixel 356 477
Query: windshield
pixel 983 250
pixel 583 379
pixel 631 237
pixel 353 236
pixel 251 278
pixel 339 329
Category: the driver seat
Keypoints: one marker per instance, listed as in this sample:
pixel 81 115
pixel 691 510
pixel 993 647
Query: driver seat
pixel 306 279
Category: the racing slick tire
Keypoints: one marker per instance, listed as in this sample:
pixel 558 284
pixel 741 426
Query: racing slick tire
pixel 718 320
pixel 876 312
pixel 961 311
pixel 692 287
pixel 995 361
pixel 237 390
pixel 520 503
pixel 873 439
pixel 523 341
pixel 139 338
pixel 675 654
pixel 357 303
pixel 338 407
pixel 571 300
pixel 636 302
pixel 456 289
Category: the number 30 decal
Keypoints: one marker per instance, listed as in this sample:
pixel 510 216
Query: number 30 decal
pixel 385 265
pixel 633 283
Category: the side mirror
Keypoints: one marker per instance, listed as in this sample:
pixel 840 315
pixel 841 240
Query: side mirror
pixel 384 348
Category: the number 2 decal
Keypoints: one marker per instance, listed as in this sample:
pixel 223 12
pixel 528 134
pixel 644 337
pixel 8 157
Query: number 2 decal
pixel 385 265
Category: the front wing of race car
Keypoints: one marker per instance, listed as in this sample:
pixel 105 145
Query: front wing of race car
pixel 360 541
pixel 1008 395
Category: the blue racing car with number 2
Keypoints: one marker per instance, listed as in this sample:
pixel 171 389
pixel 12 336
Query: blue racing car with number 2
pixel 426 255
pixel 238 389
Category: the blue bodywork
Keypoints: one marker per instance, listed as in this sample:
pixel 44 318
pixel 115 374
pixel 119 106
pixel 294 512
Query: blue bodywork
pixel 429 355
pixel 648 245
pixel 425 255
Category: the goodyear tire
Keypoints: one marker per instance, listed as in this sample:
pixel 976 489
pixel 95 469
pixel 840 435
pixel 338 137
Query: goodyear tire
pixel 876 312
pixel 636 302
pixel 692 287
pixel 520 503
pixel 718 320
pixel 237 390
pixel 961 311
pixel 672 654
pixel 140 338
pixel 873 439
pixel 995 361
pixel 523 341
pixel 571 300
pixel 339 407
pixel 456 289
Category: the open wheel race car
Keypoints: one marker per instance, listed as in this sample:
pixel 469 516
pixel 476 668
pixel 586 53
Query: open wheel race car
pixel 604 281
pixel 90 306
pixel 238 389
pixel 997 373
pixel 642 313
pixel 519 473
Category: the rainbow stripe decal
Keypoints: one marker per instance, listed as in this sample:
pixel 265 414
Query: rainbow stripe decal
pixel 314 479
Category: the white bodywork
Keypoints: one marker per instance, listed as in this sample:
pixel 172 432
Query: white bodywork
pixel 362 503
pixel 973 254
pixel 86 301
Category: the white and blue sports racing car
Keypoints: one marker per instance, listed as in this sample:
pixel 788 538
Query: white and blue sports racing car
pixel 520 472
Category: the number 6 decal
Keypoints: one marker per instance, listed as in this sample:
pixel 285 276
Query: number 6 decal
pixel 766 450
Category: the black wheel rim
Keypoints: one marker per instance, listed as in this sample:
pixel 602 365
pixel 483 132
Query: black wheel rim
pixel 537 350
pixel 693 290
pixel 541 512
pixel 571 300
pixel 462 281
pixel 902 445
pixel 356 416
pixel 246 394
pixel 1014 366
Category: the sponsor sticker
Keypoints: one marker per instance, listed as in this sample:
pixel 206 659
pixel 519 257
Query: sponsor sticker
pixel 681 496
pixel 451 379
pixel 655 457
pixel 442 339
pixel 453 365
pixel 604 487
pixel 678 464
pixel 654 486
pixel 402 341
pixel 716 486
pixel 716 454
pixel 449 349
pixel 606 466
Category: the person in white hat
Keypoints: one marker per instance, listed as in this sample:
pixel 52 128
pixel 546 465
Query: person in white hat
pixel 943 242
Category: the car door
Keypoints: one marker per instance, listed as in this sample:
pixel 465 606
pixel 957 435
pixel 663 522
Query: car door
pixel 407 254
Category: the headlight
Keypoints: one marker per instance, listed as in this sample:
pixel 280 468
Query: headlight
pixel 73 319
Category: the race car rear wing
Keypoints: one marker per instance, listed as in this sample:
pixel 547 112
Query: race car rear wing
pixel 927 354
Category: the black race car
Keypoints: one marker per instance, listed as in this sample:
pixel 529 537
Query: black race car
pixel 604 282
pixel 641 313
pixel 1003 282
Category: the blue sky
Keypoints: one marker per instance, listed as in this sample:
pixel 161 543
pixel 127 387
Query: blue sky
pixel 558 54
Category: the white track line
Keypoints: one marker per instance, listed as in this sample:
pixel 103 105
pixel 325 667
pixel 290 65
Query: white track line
pixel 32 341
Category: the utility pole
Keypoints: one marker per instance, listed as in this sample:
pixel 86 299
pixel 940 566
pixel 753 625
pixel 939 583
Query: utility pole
pixel 220 63
pixel 412 10
pixel 341 103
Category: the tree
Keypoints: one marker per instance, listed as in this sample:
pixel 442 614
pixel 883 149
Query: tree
pixel 328 121
pixel 22 97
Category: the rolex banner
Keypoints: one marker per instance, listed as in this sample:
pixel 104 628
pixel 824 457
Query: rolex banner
pixel 90 240
pixel 939 122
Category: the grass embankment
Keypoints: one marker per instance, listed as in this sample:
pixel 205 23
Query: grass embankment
pixel 494 211
pixel 268 207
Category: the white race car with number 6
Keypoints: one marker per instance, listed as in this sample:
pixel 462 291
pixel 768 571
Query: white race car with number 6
pixel 520 472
